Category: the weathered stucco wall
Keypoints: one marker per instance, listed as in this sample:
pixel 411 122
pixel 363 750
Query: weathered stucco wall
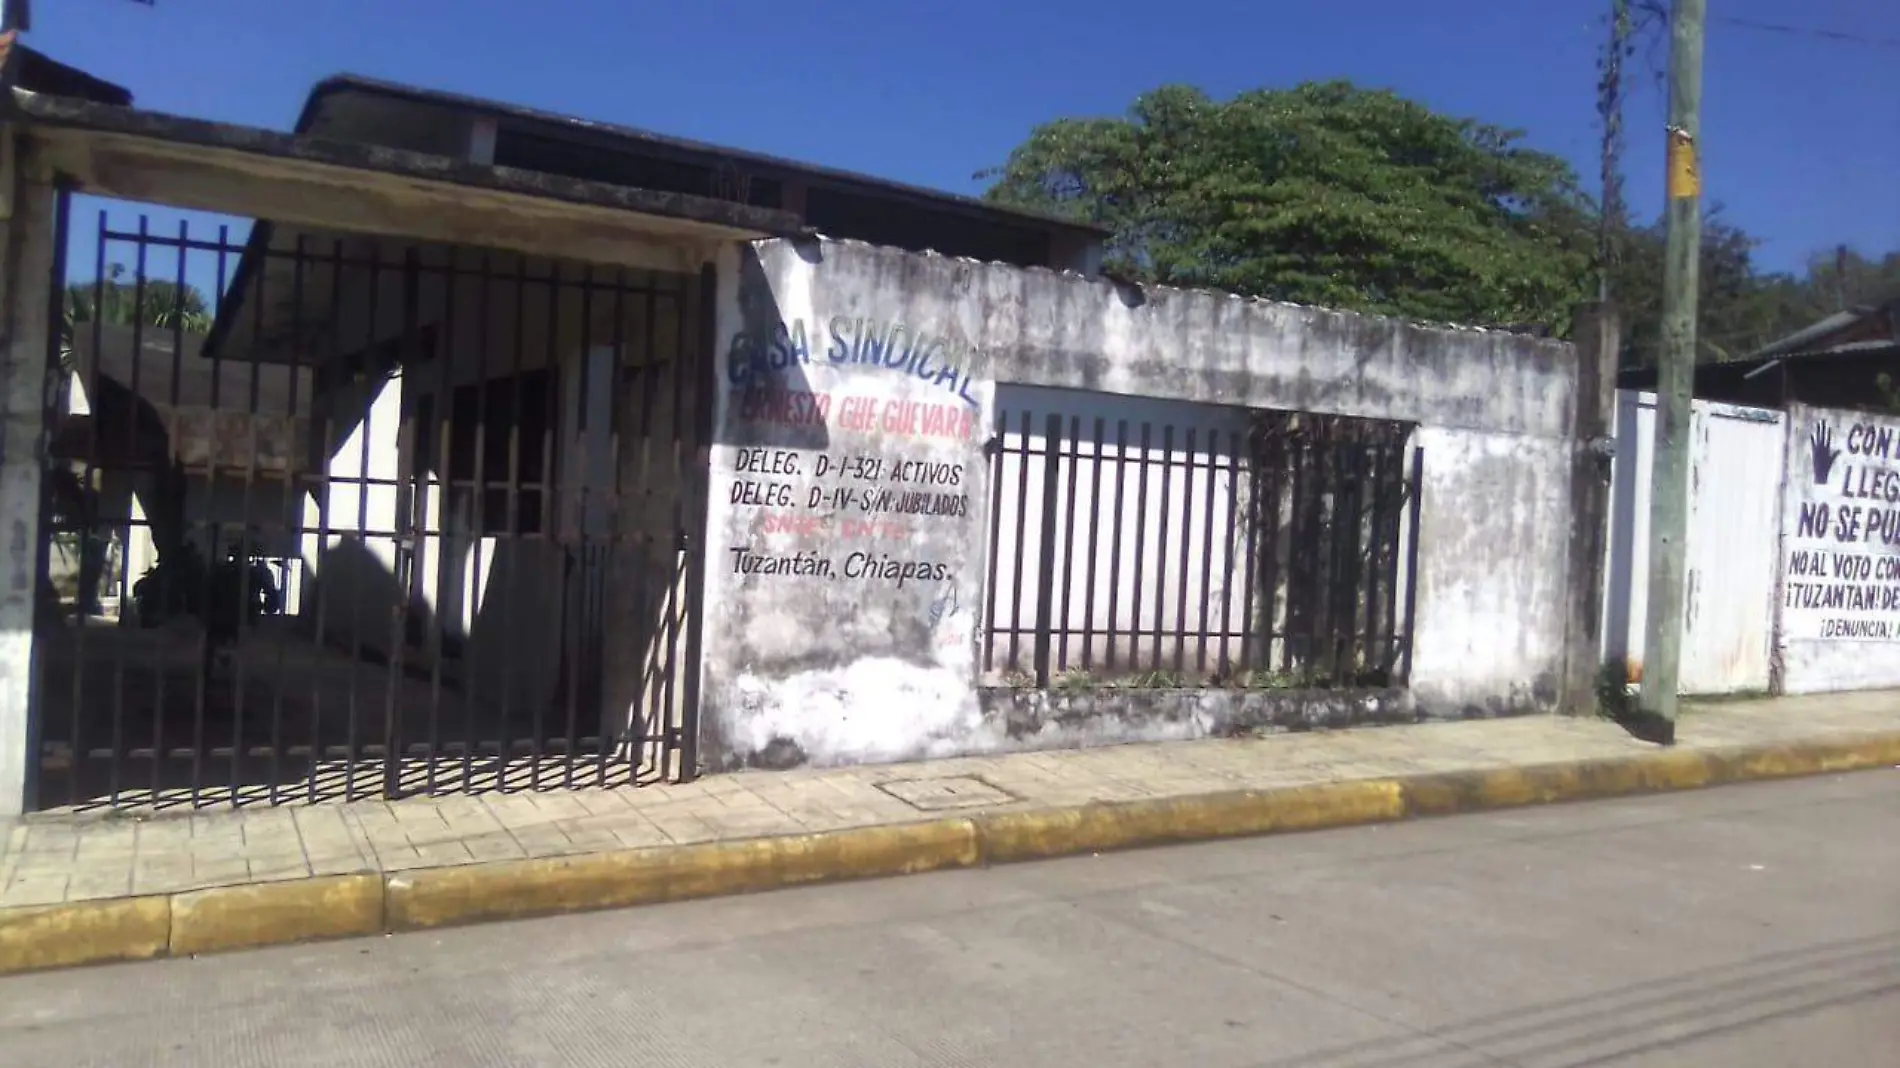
pixel 846 369
pixel 845 537
pixel 1839 625
pixel 1492 559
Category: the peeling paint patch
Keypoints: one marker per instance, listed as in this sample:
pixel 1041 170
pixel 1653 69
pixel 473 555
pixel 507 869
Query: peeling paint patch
pixel 868 710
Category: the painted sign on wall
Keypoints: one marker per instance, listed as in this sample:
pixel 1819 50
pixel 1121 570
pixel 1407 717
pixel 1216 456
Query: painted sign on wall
pixel 1841 575
pixel 847 527
pixel 885 495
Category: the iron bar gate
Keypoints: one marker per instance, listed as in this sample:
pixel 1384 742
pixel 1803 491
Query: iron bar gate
pixel 331 515
pixel 1271 550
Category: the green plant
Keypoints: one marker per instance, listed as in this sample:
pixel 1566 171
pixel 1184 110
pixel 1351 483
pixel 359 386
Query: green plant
pixel 1074 679
pixel 1889 394
pixel 1267 679
pixel 113 300
pixel 1616 699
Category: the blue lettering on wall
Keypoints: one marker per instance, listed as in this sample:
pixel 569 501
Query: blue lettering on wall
pixel 892 346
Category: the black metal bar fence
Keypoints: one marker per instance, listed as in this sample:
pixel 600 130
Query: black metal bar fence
pixel 329 515
pixel 1253 549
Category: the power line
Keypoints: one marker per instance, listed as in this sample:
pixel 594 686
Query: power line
pixel 1816 32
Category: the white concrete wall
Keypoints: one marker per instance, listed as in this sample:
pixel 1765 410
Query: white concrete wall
pixel 1734 533
pixel 1492 558
pixel 348 544
pixel 26 256
pixel 804 560
pixel 800 667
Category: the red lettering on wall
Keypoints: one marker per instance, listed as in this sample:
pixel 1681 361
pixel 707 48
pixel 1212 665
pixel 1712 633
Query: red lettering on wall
pixel 785 407
pixel 872 530
pixel 802 525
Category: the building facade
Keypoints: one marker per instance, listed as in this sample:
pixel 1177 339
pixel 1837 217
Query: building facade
pixel 601 457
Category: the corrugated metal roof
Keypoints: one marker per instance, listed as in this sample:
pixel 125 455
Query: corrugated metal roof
pixel 1802 343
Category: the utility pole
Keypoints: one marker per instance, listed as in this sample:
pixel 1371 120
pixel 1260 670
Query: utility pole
pixel 1610 113
pixel 1675 376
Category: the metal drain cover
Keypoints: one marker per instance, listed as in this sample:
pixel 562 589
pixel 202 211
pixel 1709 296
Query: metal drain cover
pixel 939 795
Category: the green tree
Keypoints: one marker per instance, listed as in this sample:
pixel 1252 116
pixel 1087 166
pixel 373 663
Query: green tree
pixel 1847 278
pixel 117 302
pixel 159 303
pixel 1324 194
pixel 1739 309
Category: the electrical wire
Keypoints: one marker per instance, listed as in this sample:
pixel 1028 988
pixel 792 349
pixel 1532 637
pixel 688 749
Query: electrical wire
pixel 1814 32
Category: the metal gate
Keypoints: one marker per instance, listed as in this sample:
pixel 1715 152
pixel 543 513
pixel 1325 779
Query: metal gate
pixel 1736 462
pixel 330 515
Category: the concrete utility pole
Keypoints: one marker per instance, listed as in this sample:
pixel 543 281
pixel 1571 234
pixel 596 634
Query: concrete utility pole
pixel 1675 376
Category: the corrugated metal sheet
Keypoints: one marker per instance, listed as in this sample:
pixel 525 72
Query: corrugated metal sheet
pixel 1734 484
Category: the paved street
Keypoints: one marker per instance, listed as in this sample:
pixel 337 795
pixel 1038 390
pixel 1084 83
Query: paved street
pixel 1742 927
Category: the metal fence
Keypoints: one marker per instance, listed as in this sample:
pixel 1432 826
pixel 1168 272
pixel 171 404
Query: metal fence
pixel 1256 549
pixel 388 518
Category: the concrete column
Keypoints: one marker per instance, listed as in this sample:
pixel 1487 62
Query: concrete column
pixel 734 267
pixel 1599 337
pixel 27 243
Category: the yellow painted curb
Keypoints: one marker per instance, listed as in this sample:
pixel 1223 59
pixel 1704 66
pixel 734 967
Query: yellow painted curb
pixel 436 897
pixel 35 938
pixel 1665 770
pixel 1745 764
pixel 1099 827
pixel 262 914
pixel 84 932
pixel 1490 788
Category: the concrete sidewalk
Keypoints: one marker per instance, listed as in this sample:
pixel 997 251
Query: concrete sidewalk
pixel 81 888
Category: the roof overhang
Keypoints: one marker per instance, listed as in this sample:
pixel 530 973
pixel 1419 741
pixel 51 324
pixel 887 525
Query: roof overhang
pixel 26 68
pixel 647 142
pixel 335 185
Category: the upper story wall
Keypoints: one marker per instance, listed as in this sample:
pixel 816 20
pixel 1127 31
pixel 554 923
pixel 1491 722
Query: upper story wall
pixel 1052 329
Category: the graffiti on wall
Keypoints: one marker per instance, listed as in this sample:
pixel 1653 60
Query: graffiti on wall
pixel 752 360
pixel 1841 577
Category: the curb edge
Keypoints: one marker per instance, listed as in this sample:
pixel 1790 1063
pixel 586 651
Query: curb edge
pixel 38 938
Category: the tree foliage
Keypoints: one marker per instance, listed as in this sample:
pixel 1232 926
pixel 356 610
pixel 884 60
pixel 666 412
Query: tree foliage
pixel 1324 194
pixel 1740 308
pixel 1360 199
pixel 117 302
pixel 155 302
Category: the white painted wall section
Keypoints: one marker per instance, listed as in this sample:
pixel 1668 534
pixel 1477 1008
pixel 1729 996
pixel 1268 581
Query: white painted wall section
pixel 1491 561
pixel 1734 510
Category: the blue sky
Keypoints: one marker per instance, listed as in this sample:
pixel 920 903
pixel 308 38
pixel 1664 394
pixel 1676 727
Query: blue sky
pixel 1801 134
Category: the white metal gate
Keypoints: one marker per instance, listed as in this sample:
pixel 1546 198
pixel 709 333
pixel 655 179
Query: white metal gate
pixel 1734 482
